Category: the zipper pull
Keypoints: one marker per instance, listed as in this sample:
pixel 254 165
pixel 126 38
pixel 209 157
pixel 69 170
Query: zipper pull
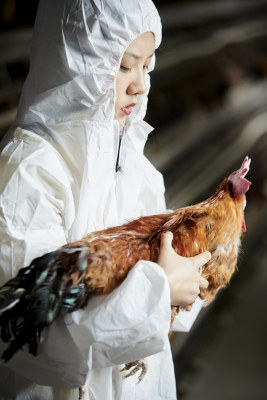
pixel 118 167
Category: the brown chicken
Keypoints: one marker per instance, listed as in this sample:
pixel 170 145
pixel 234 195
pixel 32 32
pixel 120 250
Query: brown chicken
pixel 64 280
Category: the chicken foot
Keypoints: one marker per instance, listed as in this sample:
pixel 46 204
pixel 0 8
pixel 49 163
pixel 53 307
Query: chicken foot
pixel 137 366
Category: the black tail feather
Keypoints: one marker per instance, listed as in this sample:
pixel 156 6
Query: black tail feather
pixel 38 295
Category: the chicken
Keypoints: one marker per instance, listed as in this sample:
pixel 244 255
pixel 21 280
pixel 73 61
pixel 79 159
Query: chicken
pixel 64 280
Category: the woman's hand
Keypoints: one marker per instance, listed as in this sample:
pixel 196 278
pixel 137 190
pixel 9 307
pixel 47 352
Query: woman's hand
pixel 183 273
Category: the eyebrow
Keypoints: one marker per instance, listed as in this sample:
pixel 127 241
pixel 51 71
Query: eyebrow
pixel 136 57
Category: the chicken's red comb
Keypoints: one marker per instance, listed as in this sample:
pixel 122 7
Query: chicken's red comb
pixel 240 184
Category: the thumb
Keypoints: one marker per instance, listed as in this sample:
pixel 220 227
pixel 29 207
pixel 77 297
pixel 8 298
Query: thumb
pixel 166 239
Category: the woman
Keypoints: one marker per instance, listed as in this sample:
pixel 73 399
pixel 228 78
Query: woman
pixel 73 163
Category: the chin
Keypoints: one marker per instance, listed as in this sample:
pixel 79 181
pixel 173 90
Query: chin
pixel 121 118
pixel 121 122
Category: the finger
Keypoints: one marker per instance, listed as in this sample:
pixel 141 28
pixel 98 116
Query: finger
pixel 166 239
pixel 202 296
pixel 201 259
pixel 188 308
pixel 203 283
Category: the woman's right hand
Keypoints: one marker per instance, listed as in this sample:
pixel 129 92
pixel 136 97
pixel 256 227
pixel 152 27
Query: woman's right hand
pixel 183 273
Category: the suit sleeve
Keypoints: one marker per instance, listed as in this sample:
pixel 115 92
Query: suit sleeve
pixel 32 202
pixel 130 323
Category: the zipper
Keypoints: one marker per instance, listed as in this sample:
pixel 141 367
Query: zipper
pixel 118 167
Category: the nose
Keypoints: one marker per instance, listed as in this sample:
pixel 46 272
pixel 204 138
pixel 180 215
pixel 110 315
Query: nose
pixel 138 85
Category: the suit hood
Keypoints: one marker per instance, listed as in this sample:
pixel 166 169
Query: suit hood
pixel 76 52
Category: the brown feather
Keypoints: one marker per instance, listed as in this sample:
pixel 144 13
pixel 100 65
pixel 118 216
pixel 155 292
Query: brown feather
pixel 65 279
pixel 213 225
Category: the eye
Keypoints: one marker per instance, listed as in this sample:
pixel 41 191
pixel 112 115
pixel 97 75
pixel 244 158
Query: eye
pixel 124 68
pixel 145 67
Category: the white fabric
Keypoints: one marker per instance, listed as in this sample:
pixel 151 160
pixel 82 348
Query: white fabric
pixel 58 182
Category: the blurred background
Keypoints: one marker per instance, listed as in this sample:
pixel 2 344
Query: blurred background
pixel 208 104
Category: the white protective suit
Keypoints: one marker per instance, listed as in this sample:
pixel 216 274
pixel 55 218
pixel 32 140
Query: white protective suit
pixel 58 182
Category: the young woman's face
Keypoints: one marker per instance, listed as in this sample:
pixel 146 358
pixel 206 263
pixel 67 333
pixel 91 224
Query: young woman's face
pixel 130 80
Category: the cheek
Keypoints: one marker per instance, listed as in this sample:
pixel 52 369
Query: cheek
pixel 121 86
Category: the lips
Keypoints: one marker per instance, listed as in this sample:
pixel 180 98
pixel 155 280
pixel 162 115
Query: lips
pixel 128 109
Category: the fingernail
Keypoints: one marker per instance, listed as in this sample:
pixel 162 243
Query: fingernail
pixel 168 234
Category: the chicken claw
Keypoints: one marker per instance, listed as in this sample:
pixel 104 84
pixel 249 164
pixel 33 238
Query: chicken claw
pixel 136 365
